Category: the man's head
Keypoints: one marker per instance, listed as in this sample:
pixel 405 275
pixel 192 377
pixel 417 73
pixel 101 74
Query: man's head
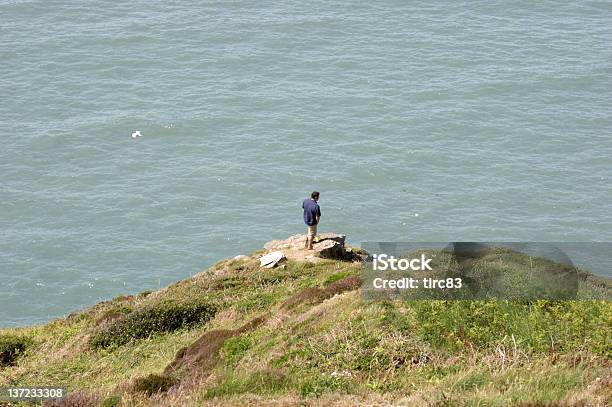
pixel 315 195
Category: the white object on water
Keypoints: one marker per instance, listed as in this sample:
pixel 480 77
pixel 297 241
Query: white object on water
pixel 416 214
pixel 137 133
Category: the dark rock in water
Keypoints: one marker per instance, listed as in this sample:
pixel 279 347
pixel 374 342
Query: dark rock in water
pixel 329 249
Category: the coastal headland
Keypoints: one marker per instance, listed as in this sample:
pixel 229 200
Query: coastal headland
pixel 294 329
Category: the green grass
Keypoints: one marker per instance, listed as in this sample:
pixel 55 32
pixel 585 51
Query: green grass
pixel 235 348
pixel 266 382
pixel 153 384
pixel 538 326
pixel 435 352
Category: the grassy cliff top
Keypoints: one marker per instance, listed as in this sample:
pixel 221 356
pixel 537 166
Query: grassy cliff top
pixel 301 333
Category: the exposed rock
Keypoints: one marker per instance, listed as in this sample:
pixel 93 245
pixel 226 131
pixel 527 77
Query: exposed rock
pixel 327 245
pixel 292 242
pixel 299 241
pixel 329 249
pixel 336 237
pixel 241 257
pixel 271 259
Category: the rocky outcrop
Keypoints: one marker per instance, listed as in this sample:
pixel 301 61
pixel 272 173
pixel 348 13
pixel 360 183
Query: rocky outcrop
pixel 329 249
pixel 326 246
pixel 298 241
pixel 292 242
pixel 336 237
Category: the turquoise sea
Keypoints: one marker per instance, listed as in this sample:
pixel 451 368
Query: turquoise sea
pixel 417 121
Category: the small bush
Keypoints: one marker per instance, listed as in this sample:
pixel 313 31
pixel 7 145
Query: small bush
pixel 149 321
pixel 153 384
pixel 11 346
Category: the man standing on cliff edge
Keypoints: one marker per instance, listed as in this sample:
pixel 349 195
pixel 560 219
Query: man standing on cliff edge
pixel 312 214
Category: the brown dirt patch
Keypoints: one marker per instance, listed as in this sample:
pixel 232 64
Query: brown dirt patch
pixel 316 295
pixel 201 355
pixel 346 284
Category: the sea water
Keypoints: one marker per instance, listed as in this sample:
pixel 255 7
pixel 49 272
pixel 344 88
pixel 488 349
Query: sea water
pixel 416 120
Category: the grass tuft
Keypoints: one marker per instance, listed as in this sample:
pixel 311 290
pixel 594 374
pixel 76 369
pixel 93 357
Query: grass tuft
pixel 153 384
pixel 263 382
pixel 112 401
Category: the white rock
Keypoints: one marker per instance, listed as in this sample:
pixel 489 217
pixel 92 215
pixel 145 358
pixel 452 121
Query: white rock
pixel 271 259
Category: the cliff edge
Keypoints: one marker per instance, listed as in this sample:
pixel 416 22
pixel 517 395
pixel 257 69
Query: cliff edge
pixel 296 331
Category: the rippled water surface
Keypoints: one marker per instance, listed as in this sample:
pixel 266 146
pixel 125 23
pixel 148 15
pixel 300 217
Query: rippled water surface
pixel 422 121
